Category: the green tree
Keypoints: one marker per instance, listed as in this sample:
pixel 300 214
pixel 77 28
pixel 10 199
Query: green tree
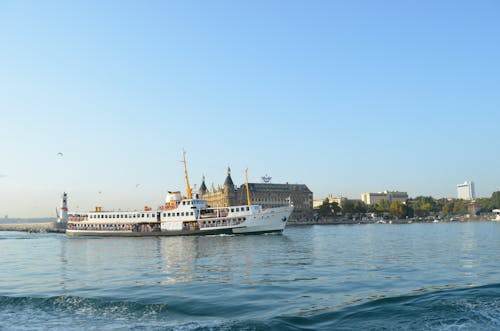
pixel 448 208
pixel 335 208
pixel 423 206
pixel 440 204
pixel 325 209
pixel 495 200
pixel 460 207
pixel 409 211
pixel 426 208
pixel 398 209
pixel 359 207
pixel 348 207
pixel 383 206
pixel 484 203
pixel 371 208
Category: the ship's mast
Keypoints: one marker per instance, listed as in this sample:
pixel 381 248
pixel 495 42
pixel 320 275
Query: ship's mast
pixel 249 202
pixel 188 188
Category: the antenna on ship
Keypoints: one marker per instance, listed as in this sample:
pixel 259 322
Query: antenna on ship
pixel 188 188
pixel 249 202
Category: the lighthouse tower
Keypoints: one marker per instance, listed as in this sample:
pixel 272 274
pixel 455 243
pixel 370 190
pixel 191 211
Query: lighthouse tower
pixel 62 216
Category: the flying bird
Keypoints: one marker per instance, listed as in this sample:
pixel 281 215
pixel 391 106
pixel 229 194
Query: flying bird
pixel 137 185
pixel 60 154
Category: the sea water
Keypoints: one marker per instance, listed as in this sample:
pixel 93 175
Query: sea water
pixel 438 276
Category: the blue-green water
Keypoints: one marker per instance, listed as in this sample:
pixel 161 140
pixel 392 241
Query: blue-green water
pixel 441 276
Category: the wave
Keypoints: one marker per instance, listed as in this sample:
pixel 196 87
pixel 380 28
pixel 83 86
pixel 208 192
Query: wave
pixel 77 313
pixel 71 312
pixel 475 308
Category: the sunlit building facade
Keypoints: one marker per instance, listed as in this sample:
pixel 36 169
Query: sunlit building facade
pixel 390 196
pixel 267 195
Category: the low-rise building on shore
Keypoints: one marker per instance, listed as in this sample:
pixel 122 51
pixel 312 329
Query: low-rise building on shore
pixel 339 200
pixel 373 198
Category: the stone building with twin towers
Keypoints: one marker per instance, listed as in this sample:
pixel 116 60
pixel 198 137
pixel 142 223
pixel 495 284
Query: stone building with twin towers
pixel 265 194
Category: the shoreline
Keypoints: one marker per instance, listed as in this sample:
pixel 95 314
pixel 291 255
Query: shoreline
pixel 53 227
pixel 339 221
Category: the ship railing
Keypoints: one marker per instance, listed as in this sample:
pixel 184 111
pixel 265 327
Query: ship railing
pixel 213 215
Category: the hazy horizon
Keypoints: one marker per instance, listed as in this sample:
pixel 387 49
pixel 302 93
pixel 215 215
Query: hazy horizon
pixel 345 97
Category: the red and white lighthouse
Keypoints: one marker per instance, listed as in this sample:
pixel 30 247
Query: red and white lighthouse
pixel 62 216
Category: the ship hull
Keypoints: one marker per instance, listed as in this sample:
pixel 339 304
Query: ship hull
pixel 163 233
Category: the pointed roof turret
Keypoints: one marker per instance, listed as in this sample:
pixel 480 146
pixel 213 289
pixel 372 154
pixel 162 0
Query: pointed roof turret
pixel 203 187
pixel 228 182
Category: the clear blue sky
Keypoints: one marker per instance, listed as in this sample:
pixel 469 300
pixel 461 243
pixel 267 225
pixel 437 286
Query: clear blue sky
pixel 344 96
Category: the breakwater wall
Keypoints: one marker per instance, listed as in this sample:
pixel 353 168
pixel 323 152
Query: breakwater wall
pixel 33 227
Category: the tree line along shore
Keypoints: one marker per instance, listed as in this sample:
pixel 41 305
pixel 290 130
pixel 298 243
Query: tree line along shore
pixel 417 208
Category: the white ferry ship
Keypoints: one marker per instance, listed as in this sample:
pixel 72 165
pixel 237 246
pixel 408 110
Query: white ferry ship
pixel 181 216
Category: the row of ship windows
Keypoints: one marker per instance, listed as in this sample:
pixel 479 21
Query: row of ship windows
pixel 178 214
pixel 194 202
pixel 238 209
pixel 123 215
pixel 153 215
pixel 192 213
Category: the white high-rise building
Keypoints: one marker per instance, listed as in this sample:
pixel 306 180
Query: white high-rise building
pixel 466 191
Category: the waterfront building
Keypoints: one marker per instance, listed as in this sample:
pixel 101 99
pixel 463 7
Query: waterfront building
pixel 339 200
pixel 317 203
pixel 466 191
pixel 390 196
pixel 268 195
